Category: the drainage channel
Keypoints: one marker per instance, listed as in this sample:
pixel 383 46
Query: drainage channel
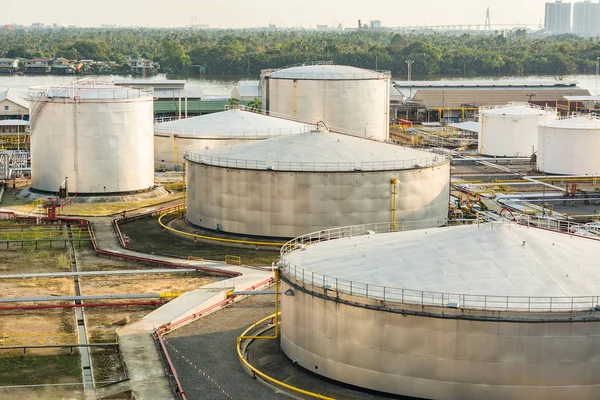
pixel 86 359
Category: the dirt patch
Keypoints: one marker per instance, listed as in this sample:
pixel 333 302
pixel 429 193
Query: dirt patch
pixel 151 283
pixel 43 393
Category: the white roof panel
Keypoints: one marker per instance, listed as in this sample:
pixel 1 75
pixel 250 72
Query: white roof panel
pixel 484 259
pixel 11 96
pixel 517 110
pixel 327 72
pixel 470 126
pixel 232 123
pixel 329 151
pixel 13 122
pixel 587 122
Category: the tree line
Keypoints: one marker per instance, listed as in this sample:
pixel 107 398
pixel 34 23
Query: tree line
pixel 246 52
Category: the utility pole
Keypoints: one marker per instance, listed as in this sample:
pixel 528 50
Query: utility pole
pixel 409 63
pixel 597 71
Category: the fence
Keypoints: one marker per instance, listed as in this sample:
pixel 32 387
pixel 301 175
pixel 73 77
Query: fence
pixel 317 166
pixel 336 286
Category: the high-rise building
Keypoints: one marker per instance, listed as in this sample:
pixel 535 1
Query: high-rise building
pixel 585 18
pixel 558 17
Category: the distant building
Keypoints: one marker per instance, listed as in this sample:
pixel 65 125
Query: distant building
pixel 376 24
pixel 13 106
pixel 246 91
pixel 558 17
pixel 8 65
pixel 322 27
pixel 7 28
pixel 585 18
pixel 38 66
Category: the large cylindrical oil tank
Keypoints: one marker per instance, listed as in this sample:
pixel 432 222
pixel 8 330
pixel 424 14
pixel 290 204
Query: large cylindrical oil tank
pixel 94 135
pixel 224 128
pixel 347 99
pixel 300 183
pixel 511 130
pixel 488 311
pixel 569 146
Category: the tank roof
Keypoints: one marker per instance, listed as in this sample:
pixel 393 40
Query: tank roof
pixel 518 109
pixel 232 123
pixel 497 259
pixel 583 122
pixel 327 72
pixel 89 90
pixel 316 151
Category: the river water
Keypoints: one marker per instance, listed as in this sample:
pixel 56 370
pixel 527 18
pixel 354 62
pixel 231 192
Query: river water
pixel 221 86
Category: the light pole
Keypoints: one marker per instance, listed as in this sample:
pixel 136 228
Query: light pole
pixel 597 71
pixel 409 63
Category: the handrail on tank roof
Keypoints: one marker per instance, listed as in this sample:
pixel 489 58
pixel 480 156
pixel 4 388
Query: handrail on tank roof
pixel 317 63
pixel 518 104
pixel 73 90
pixel 423 298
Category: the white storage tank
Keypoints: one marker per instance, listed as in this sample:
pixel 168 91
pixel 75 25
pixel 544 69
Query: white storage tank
pixel 347 99
pixel 95 135
pixel 511 130
pixel 294 184
pixel 224 128
pixel 569 146
pixel 486 311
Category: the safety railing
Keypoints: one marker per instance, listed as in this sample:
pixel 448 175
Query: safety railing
pixel 79 234
pixel 233 133
pixel 233 260
pixel 316 166
pixel 55 339
pixel 336 286
pixel 89 90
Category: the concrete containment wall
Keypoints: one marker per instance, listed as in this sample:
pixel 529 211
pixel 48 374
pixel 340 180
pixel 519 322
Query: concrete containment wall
pixel 448 357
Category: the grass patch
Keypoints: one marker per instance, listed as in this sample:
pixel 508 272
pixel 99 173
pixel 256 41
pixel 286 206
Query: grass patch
pixel 148 236
pixel 32 261
pixel 10 198
pixel 33 369
pixel 107 209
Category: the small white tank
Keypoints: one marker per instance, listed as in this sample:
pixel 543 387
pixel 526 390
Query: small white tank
pixel 511 130
pixel 96 135
pixel 347 99
pixel 569 146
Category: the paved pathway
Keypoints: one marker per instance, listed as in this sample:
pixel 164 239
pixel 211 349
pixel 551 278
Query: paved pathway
pixel 147 379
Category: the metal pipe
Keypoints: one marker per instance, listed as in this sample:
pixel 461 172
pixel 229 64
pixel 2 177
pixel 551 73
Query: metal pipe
pixel 78 298
pixel 96 273
pixel 86 305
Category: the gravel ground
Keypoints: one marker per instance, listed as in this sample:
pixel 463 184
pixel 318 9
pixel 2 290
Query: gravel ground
pixel 210 343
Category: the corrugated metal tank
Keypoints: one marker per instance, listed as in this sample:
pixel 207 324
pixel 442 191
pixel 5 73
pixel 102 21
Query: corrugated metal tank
pixel 453 313
pixel 225 128
pixel 290 185
pixel 511 131
pixel 97 135
pixel 569 146
pixel 347 99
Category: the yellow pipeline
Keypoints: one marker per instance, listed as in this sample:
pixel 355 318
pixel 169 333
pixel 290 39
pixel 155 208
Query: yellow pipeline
pixel 267 377
pixel 216 239
pixel 394 183
pixel 275 316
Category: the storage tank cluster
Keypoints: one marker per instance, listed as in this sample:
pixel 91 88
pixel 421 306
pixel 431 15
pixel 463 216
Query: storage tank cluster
pixel 569 146
pixel 511 130
pixel 487 311
pixel 289 185
pixel 94 136
pixel 224 128
pixel 347 99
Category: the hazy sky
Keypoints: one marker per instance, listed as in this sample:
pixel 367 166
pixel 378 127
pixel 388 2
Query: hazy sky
pixel 248 13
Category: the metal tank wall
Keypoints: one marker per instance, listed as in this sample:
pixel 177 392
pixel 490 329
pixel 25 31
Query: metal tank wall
pixel 510 135
pixel 102 146
pixel 568 151
pixel 288 204
pixel 164 146
pixel 449 358
pixel 358 107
